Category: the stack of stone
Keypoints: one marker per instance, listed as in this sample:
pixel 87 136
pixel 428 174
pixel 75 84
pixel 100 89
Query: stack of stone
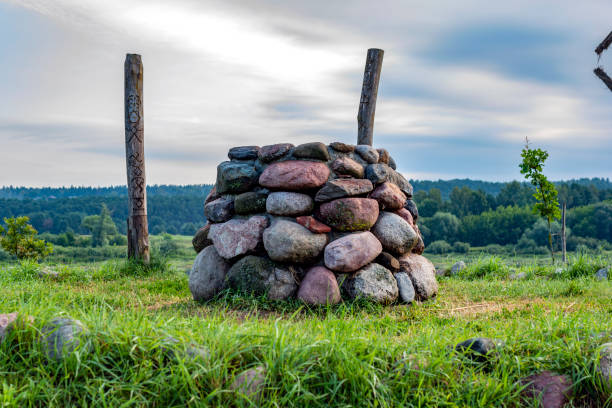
pixel 313 221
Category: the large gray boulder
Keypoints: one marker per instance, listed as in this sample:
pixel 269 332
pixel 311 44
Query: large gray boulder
pixel 351 252
pixel 62 336
pixel 290 204
pixel 287 241
pixel 259 275
pixel 394 233
pixel 373 282
pixel 207 277
pixel 422 273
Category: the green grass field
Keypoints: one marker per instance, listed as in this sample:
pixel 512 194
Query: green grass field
pixel 354 354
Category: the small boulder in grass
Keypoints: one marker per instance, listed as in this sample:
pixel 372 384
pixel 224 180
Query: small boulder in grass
pixel 479 349
pixel 604 367
pixel 250 383
pixel 457 267
pixel 62 336
pixel 550 389
pixel 319 287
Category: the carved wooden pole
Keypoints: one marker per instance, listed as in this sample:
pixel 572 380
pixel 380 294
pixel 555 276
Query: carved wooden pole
pixel 138 230
pixel 369 91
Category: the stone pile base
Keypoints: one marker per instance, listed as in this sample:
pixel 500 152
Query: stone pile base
pixel 313 221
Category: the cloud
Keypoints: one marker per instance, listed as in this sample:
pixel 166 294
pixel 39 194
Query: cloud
pixel 462 84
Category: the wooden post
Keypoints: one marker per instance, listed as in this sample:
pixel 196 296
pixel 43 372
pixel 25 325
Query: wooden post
pixel 138 230
pixel 564 254
pixel 369 91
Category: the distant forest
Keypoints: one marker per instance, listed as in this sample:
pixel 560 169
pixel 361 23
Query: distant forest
pixel 471 211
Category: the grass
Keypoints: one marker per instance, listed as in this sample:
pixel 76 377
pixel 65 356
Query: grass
pixel 354 354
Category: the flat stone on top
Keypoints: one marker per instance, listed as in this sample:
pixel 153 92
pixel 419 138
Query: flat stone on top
pixel 314 150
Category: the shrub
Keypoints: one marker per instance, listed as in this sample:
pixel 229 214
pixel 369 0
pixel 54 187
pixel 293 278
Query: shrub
pixel 20 239
pixel 439 247
pixel 461 247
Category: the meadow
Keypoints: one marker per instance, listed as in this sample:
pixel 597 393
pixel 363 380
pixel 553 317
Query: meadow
pixel 353 354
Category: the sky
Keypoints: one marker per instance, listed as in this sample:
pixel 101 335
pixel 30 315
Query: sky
pixel 463 83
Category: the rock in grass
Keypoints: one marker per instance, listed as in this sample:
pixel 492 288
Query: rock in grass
pixel 63 336
pixel 551 389
pixel 349 253
pixel 319 287
pixel 478 348
pixel 207 277
pixel 314 150
pixel 261 276
pixel 287 241
pixel 6 324
pixel 457 267
pixel 243 153
pixel 250 383
pixel 602 274
pixel 405 288
pixel 340 188
pixel 373 282
pixel 422 273
pixel 219 210
pixel 250 202
pixel 237 237
pixel 394 233
pixel 604 366
pixel 294 175
pixel 349 214
pixel 200 239
pixel 235 178
pixel 286 203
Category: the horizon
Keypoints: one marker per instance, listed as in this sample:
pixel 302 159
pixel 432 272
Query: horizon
pixel 456 99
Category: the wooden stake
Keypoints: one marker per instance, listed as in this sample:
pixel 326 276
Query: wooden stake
pixel 369 91
pixel 138 230
pixel 564 253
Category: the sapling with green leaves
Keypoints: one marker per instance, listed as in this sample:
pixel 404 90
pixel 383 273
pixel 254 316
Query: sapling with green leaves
pixel 547 205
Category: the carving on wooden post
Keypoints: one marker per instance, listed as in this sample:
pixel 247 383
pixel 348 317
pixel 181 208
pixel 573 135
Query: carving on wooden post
pixel 138 230
pixel 369 91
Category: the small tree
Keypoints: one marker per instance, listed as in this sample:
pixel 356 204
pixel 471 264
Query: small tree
pixel 547 205
pixel 101 226
pixel 19 238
